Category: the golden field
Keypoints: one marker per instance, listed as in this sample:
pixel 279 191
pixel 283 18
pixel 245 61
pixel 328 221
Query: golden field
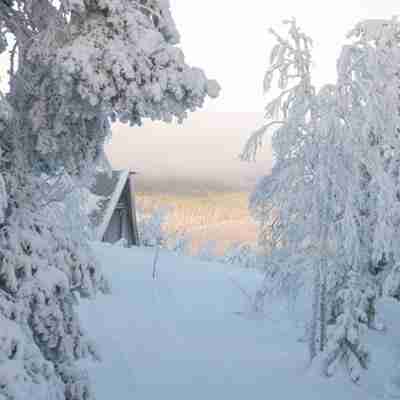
pixel 221 216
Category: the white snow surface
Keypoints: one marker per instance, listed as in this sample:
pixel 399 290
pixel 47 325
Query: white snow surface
pixel 188 335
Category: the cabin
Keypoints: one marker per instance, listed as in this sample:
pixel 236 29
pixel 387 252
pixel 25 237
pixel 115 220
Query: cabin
pixel 114 217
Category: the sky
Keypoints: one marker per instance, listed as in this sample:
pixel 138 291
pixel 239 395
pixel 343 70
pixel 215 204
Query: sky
pixel 229 39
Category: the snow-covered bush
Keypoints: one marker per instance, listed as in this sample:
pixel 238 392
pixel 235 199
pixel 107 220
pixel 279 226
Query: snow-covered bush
pixel 151 227
pixel 207 251
pixel 239 254
pixel 179 242
pixel 242 255
pixel 153 231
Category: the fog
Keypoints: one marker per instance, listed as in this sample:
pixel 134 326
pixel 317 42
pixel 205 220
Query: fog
pixel 201 152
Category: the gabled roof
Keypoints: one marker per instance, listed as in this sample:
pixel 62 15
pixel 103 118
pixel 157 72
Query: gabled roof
pixel 109 188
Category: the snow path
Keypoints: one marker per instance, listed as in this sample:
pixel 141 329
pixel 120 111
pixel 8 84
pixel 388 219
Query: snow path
pixel 180 337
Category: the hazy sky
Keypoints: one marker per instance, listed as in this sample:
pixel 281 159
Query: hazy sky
pixel 205 148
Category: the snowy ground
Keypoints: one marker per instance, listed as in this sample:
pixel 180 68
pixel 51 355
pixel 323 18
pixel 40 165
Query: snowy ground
pixel 184 336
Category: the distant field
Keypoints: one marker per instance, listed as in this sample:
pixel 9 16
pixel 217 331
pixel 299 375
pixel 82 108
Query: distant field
pixel 221 216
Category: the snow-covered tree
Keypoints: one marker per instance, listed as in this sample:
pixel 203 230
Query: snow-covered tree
pixel 368 85
pixel 74 66
pixel 153 231
pixel 330 204
pixel 151 227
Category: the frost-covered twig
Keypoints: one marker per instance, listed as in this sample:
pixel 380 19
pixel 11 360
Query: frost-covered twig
pixel 155 261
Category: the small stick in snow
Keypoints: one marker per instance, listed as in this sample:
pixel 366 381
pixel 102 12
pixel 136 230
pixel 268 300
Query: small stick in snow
pixel 155 260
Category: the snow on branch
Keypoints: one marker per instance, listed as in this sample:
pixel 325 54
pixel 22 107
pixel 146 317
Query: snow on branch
pixel 290 64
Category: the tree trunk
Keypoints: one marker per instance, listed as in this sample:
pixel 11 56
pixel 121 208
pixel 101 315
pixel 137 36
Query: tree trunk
pixel 315 314
pixel 322 307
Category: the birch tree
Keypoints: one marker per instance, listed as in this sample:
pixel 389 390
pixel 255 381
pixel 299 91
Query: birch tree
pixel 330 202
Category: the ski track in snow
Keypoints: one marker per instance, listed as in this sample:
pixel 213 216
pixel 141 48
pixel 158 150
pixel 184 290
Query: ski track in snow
pixel 186 336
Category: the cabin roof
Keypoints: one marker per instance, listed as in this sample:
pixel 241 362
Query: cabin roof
pixel 108 187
